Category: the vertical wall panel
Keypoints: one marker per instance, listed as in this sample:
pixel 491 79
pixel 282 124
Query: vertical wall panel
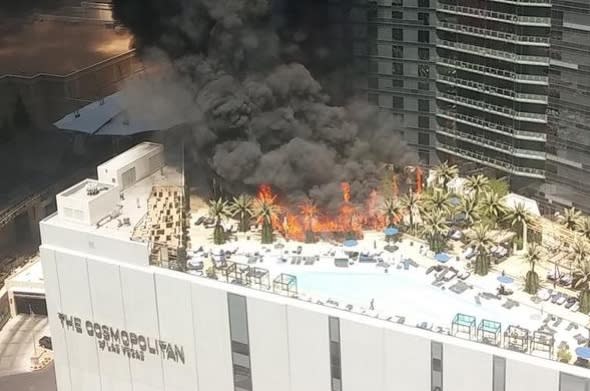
pixel 107 305
pixel 309 353
pixel 212 340
pixel 139 302
pixel 269 350
pixel 75 300
pixel 362 356
pixel 407 362
pixel 455 375
pixel 58 336
pixel 522 376
pixel 176 328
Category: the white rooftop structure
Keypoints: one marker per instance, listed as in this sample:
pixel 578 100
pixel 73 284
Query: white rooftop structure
pixel 512 199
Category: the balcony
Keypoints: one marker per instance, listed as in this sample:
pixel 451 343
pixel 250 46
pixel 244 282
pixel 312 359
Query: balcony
pixel 499 73
pixel 493 34
pixel 493 15
pixel 498 54
pixel 495 145
pixel 491 126
pixel 538 3
pixel 500 110
pixel 491 162
pixel 501 92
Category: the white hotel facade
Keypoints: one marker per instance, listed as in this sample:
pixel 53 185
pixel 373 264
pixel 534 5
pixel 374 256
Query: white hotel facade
pixel 120 323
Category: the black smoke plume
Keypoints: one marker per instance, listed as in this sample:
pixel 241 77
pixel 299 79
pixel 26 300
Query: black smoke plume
pixel 231 73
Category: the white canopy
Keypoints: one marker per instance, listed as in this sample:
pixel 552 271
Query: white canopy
pixel 512 199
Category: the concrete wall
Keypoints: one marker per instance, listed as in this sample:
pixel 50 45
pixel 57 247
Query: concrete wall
pixel 289 340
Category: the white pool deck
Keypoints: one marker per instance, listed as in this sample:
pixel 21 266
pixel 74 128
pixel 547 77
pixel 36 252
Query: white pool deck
pixel 399 292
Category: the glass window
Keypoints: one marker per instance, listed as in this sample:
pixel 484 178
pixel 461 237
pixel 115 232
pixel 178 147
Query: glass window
pixel 423 138
pixel 238 319
pixel 571 383
pixel 499 374
pixel 373 67
pixel 397 34
pixel 424 3
pixel 424 105
pixel 335 357
pixel 373 99
pixel 424 157
pixel 397 15
pixel 397 102
pixel 397 83
pixel 423 85
pixel 397 68
pixel 423 122
pixel 373 82
pixel 240 345
pixel 372 31
pixel 397 2
pixel 424 18
pixel 436 351
pixel 373 50
pixel 424 54
pixel 397 51
pixel 423 36
pixel 423 70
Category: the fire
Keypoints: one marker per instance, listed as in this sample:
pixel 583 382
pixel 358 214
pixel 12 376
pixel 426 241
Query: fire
pixel 345 191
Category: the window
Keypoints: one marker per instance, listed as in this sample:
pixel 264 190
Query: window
pixel 397 102
pixel 397 51
pixel 373 50
pixel 335 359
pixel 373 82
pixel 399 83
pixel 397 15
pixel 424 54
pixel 373 99
pixel 424 105
pixel 499 374
pixel 424 157
pixel 436 353
pixel 397 68
pixel 572 383
pixel 424 3
pixel 240 342
pixel 373 67
pixel 372 32
pixel 423 122
pixel 423 70
pixel 397 2
pixel 423 36
pixel 423 85
pixel 397 34
pixel 372 10
pixel 424 18
pixel 423 139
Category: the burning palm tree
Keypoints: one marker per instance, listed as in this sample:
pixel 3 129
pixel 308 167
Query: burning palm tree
pixel 533 256
pixel 482 243
pixel 241 208
pixel 219 209
pixel 391 210
pixel 266 212
pixel 309 210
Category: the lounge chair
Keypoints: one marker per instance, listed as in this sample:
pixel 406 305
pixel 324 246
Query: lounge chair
pixel 544 294
pixel 570 301
pixel 580 339
pixel 561 300
pixel 400 319
pixel 477 299
pixel 557 322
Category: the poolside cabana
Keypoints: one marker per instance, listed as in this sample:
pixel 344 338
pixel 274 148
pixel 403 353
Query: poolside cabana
pixel 516 338
pixel 236 273
pixel 258 277
pixel 543 342
pixel 489 332
pixel 285 284
pixel 465 324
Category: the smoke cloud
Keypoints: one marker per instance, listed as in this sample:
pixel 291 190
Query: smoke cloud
pixel 227 69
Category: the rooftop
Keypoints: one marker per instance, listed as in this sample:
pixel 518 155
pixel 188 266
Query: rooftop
pixel 57 48
pixel 31 274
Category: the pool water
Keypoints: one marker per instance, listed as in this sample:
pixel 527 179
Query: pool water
pixel 409 293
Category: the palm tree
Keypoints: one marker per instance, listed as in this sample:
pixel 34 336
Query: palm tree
pixel 469 209
pixel 482 242
pixel 520 219
pixel 241 208
pixel 409 202
pixel 570 218
pixel 309 210
pixel 492 207
pixel 477 184
pixel 580 253
pixel 435 229
pixel 584 227
pixel 445 172
pixel 391 210
pixel 438 199
pixel 533 256
pixel 219 209
pixel 266 212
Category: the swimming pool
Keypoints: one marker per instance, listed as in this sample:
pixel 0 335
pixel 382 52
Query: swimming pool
pixel 410 294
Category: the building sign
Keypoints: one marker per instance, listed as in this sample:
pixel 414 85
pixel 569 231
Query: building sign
pixel 114 340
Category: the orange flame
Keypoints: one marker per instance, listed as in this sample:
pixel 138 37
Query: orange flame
pixel 345 191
